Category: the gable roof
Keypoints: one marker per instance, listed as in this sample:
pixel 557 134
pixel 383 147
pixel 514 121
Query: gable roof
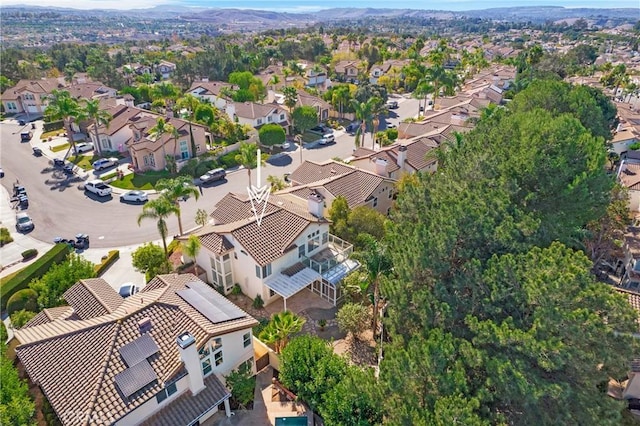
pixel 356 185
pixel 41 87
pixel 253 110
pixel 75 362
pixel 210 88
pixel 281 224
pixel 629 176
pixel 310 171
pixel 89 90
pixel 92 298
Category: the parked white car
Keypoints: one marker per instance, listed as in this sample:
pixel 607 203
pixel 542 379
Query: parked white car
pixel 98 187
pixel 84 147
pixel 135 196
pixel 105 163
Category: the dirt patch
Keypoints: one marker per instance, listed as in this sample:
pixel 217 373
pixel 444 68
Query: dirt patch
pixel 361 351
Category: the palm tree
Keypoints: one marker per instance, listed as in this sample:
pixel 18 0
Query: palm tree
pixel 364 112
pixel 423 89
pixel 162 128
pixel 281 326
pixel 377 108
pixel 174 190
pixel 159 209
pixel 247 158
pixel 273 81
pixel 64 107
pixel 377 264
pixel 191 248
pixel 442 80
pixel 190 103
pixel 99 117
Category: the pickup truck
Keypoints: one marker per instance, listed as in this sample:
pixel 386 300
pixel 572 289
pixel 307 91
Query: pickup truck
pixel 98 187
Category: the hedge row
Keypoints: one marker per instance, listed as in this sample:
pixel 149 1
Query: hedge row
pixel 36 270
pixel 108 261
pixel 53 125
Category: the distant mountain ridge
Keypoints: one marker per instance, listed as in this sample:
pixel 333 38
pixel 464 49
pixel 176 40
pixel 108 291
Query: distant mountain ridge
pixel 220 16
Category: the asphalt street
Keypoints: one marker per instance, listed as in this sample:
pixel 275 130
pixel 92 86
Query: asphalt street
pixel 59 207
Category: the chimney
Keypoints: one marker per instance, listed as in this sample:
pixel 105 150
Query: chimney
pixel 315 203
pixel 402 156
pixel 189 355
pixel 381 167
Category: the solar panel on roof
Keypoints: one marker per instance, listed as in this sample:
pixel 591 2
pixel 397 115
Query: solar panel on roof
pixel 135 378
pixel 204 300
pixel 138 350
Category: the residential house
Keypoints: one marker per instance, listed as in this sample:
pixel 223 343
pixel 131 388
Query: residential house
pixel 323 107
pixel 402 157
pixel 333 179
pixel 378 70
pixel 165 69
pixel 129 128
pixel 316 76
pixel 627 131
pixel 348 70
pixel 156 358
pixel 629 390
pixel 91 90
pixel 30 96
pixel 257 115
pixel 287 250
pixel 212 92
pixel 629 177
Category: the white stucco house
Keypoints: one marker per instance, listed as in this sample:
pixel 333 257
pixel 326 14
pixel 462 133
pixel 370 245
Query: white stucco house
pixel 158 357
pixel 289 250
pixel 256 115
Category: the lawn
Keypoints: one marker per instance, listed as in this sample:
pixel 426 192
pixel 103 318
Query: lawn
pixel 58 148
pixel 85 162
pixel 145 181
pixel 52 134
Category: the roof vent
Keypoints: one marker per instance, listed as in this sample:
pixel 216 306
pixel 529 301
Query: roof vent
pixel 145 325
pixel 333 171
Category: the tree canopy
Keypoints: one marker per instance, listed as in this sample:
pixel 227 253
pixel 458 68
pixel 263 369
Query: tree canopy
pixel 494 315
pixel 304 117
pixel 271 134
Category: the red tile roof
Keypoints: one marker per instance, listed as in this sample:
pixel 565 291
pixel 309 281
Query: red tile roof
pixel 75 361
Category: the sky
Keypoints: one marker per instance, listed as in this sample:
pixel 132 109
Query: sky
pixel 315 5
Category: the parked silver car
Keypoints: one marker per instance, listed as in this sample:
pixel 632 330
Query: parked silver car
pixel 24 222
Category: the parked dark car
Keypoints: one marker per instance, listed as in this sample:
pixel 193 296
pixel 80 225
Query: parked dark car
pixel 37 151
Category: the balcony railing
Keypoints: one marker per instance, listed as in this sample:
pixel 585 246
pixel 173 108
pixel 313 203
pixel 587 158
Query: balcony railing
pixel 336 252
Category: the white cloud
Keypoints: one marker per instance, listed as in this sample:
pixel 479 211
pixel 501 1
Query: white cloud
pixel 94 4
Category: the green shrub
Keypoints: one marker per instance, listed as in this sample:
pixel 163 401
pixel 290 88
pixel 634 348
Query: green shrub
pixel 263 322
pixel 20 318
pixel 634 146
pixel 258 303
pixel 5 237
pixel 19 281
pixel 52 125
pixel 108 261
pixel 26 299
pixel 29 253
pixel 228 160
pixel 173 245
pixel 236 290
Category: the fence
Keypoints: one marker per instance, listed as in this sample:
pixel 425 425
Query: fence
pixel 261 350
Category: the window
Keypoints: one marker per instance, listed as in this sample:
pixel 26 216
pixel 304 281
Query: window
pixel 259 121
pixel 205 351
pixel 218 358
pixel 258 271
pixel 269 119
pixel 301 251
pixel 390 194
pixel 217 343
pixel 246 339
pixel 375 201
pixel 281 117
pixel 206 367
pixel 266 270
pixel 243 252
pixel 165 393
pixel 325 238
pixel 313 244
pixel 184 150
pixel 271 293
pixel 235 255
